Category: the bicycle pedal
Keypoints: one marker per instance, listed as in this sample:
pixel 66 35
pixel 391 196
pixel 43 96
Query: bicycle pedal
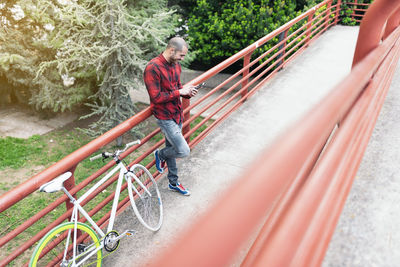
pixel 130 232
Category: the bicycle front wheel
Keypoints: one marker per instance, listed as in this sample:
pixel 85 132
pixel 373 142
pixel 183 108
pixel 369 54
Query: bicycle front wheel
pixel 56 247
pixel 145 197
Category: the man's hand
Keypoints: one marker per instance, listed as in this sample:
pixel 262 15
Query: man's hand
pixel 188 91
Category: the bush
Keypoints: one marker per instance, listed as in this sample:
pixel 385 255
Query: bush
pixel 347 11
pixel 218 30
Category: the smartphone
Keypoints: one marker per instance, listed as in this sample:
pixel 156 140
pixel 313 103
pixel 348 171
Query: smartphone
pixel 200 85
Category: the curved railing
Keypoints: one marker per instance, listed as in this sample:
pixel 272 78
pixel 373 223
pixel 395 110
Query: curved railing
pixel 275 50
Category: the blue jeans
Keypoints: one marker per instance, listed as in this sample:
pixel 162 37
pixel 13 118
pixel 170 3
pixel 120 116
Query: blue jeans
pixel 175 147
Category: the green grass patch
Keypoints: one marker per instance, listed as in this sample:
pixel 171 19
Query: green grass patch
pixel 201 128
pixel 16 152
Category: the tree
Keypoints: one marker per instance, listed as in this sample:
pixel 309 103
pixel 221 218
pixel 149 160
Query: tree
pixel 69 52
pixel 23 27
pixel 125 42
pixel 113 39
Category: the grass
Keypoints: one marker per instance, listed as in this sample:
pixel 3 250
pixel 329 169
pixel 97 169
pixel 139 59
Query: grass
pixel 24 155
pixel 15 152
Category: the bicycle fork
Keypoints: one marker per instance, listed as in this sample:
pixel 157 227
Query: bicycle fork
pixel 130 173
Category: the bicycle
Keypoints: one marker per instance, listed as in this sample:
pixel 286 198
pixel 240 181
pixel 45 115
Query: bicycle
pixel 75 243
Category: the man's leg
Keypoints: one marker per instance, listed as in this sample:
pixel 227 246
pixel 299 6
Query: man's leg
pixel 176 147
pixel 171 163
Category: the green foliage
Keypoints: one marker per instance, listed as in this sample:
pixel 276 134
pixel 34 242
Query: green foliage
pixel 21 32
pixel 347 12
pixel 183 7
pixel 220 29
pixel 305 5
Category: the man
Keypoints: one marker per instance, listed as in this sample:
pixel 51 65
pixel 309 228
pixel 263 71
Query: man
pixel 162 79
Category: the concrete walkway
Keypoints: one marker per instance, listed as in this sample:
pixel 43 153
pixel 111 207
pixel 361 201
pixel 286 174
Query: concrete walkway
pixel 220 158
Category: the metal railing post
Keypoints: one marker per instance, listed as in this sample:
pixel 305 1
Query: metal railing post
pixel 353 11
pixel 246 62
pixel 186 116
pixel 309 27
pixel 69 184
pixel 282 48
pixel 328 14
pixel 338 8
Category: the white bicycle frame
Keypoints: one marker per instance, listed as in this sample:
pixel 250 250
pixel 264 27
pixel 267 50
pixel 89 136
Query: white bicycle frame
pixel 123 171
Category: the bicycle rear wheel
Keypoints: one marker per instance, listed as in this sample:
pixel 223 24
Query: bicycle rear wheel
pixel 145 197
pixel 51 248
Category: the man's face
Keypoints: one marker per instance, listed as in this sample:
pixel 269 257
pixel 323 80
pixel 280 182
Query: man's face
pixel 177 56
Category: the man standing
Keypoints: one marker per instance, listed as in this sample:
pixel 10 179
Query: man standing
pixel 162 79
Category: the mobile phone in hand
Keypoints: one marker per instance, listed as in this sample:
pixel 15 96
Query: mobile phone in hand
pixel 199 85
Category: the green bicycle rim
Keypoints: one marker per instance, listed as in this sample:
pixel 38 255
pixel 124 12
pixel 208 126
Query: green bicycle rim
pixel 60 228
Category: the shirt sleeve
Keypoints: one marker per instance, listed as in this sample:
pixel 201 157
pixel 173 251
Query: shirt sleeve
pixel 152 80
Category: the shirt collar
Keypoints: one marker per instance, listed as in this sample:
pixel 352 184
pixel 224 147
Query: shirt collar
pixel 165 61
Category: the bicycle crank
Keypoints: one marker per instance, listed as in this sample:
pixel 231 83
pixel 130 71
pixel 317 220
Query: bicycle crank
pixel 111 240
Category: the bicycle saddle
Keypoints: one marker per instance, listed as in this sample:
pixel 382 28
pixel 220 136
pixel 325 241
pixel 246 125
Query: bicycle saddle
pixel 55 184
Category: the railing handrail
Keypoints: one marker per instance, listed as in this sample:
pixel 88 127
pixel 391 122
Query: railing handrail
pixel 289 48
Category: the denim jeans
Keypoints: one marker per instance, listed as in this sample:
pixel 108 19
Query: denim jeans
pixel 175 147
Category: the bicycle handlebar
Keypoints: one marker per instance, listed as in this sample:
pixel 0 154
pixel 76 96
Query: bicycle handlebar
pixel 116 153
pixel 137 142
pixel 102 155
pixel 96 157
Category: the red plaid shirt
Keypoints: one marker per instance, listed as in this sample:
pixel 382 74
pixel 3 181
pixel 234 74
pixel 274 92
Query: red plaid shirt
pixel 162 81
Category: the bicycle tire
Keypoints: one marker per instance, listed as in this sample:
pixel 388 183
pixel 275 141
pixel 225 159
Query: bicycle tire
pixel 147 207
pixel 56 238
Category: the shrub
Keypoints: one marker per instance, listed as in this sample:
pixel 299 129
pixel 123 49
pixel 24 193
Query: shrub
pixel 219 29
pixel 348 10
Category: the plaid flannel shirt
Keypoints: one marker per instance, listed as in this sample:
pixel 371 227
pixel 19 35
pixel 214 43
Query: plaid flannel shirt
pixel 162 81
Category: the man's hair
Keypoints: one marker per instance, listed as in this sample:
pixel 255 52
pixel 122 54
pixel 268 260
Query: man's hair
pixel 178 43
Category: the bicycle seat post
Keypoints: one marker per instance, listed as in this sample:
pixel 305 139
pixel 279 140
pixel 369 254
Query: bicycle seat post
pixel 68 194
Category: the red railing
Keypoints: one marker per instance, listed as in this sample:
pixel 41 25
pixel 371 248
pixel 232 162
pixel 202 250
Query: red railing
pixel 358 9
pixel 301 182
pixel 272 55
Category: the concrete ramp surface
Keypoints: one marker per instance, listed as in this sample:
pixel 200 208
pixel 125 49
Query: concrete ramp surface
pixel 223 156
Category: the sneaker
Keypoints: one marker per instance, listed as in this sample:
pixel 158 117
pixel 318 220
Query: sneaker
pixel 179 188
pixel 160 164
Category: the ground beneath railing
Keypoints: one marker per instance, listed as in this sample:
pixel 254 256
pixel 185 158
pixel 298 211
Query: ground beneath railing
pixel 22 122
